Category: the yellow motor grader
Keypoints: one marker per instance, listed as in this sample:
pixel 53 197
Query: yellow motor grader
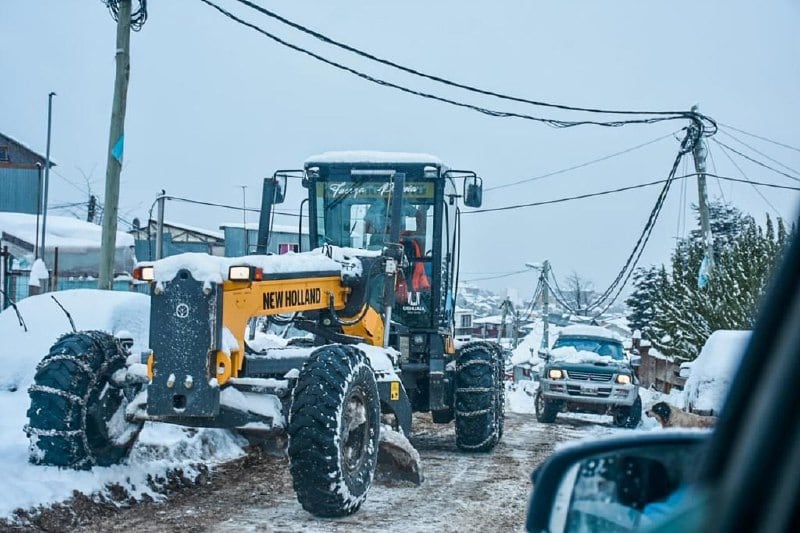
pixel 376 292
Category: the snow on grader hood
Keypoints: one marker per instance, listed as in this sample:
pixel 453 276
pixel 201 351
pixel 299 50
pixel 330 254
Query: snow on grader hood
pixel 340 398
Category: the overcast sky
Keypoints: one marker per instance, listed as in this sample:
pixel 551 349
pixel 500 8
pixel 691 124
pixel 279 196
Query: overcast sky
pixel 213 105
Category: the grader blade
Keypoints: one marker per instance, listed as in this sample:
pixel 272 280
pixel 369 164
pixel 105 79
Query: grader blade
pixel 397 458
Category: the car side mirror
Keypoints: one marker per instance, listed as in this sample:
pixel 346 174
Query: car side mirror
pixel 614 484
pixel 543 354
pixel 473 191
pixel 636 361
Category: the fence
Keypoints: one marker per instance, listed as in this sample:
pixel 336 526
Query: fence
pixel 15 286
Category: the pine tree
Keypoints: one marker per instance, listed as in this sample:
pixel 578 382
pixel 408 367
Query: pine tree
pixel 684 315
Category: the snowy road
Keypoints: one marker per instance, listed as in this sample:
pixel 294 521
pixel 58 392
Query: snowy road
pixel 486 492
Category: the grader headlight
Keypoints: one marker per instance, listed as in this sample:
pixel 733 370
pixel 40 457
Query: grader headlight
pixel 144 273
pixel 245 273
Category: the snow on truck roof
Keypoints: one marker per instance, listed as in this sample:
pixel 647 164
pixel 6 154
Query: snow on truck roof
pixel 369 156
pixel 589 331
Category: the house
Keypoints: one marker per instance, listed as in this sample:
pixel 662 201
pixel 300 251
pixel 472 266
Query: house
pixel 20 175
pixel 282 239
pixel 177 238
pixel 71 258
pixel 464 324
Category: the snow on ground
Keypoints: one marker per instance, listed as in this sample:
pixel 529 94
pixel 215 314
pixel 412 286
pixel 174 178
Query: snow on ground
pixel 160 447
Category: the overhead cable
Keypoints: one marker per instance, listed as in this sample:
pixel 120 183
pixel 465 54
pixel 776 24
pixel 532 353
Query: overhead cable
pixel 628 188
pixel 650 118
pixel 581 165
pixel 470 88
pixel 756 161
pixel 767 139
pixel 762 154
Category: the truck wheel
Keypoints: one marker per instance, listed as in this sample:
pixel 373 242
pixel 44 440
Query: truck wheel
pixel 76 417
pixel 546 410
pixel 479 397
pixel 334 428
pixel 629 417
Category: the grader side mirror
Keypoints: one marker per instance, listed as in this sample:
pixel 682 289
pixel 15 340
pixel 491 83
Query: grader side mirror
pixel 473 191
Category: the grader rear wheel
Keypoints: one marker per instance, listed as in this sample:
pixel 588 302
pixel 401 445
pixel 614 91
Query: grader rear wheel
pixel 479 397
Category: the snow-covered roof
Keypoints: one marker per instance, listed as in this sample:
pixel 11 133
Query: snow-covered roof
pixel 369 156
pixel 64 232
pixel 589 331
pixel 494 319
pixel 194 229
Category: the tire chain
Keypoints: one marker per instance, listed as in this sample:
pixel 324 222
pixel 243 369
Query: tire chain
pixel 98 347
pixel 494 350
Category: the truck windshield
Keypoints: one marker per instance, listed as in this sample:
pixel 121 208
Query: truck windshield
pixel 354 212
pixel 598 346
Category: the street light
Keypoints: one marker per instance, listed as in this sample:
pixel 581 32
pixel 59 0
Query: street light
pixel 544 269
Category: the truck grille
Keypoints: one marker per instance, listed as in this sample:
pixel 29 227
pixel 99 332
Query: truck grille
pixel 590 376
pixel 600 392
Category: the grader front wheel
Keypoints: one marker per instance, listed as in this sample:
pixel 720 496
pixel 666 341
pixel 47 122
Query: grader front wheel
pixel 334 428
pixel 76 417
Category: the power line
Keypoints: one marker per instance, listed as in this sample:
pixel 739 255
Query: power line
pixel 767 139
pixel 227 206
pixel 506 275
pixel 762 154
pixel 615 288
pixel 653 118
pixel 628 188
pixel 735 164
pixel 138 16
pixel 451 83
pixel 581 165
pixel 756 161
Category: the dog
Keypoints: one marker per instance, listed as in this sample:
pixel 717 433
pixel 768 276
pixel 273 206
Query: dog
pixel 670 416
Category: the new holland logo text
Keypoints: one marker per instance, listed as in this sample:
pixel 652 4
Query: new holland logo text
pixel 291 298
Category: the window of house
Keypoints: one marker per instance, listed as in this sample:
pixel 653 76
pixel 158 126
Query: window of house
pixel 4 153
pixel 285 248
pixel 466 321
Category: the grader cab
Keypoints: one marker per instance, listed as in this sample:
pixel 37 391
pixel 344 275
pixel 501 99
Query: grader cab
pixel 377 294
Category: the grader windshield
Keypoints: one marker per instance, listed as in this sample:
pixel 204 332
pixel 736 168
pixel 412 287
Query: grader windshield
pixel 355 213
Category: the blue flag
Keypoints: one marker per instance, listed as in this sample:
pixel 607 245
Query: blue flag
pixel 118 148
pixel 702 275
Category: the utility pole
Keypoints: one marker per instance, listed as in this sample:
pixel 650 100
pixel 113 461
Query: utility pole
pixel 244 219
pixel 544 274
pixel 545 305
pixel 47 168
pixel 116 142
pixel 699 152
pixel 38 210
pixel 160 225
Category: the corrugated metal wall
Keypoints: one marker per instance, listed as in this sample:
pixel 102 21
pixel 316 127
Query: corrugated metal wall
pixel 19 189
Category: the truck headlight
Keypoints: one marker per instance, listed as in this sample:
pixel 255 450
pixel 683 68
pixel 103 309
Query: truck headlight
pixel 555 373
pixel 623 379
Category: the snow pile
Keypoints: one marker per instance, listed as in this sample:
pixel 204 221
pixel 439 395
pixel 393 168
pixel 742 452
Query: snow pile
pixel 160 447
pixel 712 372
pixel 214 269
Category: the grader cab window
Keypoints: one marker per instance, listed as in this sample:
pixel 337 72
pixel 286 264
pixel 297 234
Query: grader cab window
pixel 355 213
